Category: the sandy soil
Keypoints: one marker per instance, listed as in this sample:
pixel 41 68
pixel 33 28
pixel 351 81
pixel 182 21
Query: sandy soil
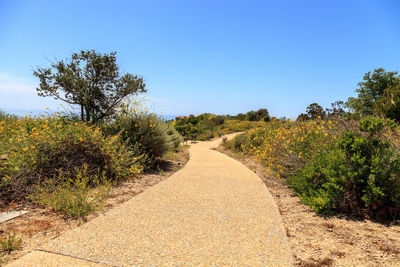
pixel 40 225
pixel 328 241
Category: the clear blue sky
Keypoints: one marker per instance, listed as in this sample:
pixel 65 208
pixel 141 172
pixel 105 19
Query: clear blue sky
pixel 209 55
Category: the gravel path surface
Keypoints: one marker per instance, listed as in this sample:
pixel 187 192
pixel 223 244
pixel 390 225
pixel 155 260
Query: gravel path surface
pixel 214 212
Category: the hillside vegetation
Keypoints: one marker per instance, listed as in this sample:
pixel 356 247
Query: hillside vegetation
pixel 69 161
pixel 207 126
pixel 338 161
pixel 45 155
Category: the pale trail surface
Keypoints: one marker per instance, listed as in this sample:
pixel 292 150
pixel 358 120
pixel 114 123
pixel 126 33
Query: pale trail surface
pixel 214 211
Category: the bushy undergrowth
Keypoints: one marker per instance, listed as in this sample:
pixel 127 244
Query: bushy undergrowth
pixel 35 150
pixel 74 196
pixel 66 164
pixel 360 173
pixel 9 244
pixel 208 126
pixel 286 146
pixel 333 165
pixel 147 134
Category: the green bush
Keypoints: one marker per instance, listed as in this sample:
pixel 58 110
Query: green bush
pixel 41 148
pixel 74 196
pixel 146 134
pixel 320 184
pixel 10 243
pixel 211 122
pixel 360 173
pixel 238 141
pixel 207 126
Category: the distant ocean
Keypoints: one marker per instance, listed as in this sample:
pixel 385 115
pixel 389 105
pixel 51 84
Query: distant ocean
pixel 31 112
pixel 24 112
pixel 168 117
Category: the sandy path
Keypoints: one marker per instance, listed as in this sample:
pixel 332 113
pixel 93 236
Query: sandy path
pixel 214 212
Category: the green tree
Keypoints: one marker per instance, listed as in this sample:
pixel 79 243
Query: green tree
pixel 303 117
pixel 261 114
pixel 337 109
pixel 251 116
pixel 371 89
pixel 389 104
pixel 240 117
pixel 314 111
pixel 90 80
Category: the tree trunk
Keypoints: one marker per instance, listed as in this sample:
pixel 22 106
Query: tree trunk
pixel 87 114
pixel 82 112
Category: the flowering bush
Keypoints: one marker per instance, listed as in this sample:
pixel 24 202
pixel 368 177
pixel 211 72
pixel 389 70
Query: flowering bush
pixel 39 148
pixel 73 197
pixel 359 174
pixel 333 165
pixel 286 146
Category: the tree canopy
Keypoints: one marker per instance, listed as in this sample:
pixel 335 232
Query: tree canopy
pixel 314 111
pixel 91 80
pixel 261 114
pixel 389 104
pixel 337 109
pixel 371 90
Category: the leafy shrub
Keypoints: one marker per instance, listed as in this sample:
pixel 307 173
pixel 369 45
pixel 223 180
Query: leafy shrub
pixel 208 126
pixel 41 148
pixel 333 165
pixel 10 243
pixel 261 114
pixel 231 126
pixel 361 173
pixel 378 93
pixel 75 196
pixel 212 121
pixel 147 134
pixel 236 143
pixel 320 183
pixel 286 146
pixel 205 136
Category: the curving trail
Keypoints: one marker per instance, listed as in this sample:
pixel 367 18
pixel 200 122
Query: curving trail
pixel 214 211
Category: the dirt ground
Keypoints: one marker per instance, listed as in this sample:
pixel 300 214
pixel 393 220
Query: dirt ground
pixel 41 225
pixel 328 241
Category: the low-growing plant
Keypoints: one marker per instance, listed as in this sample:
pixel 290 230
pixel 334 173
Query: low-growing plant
pixel 147 134
pixel 76 196
pixel 286 146
pixel 359 174
pixel 333 165
pixel 320 184
pixel 39 148
pixel 10 243
pixel 236 143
